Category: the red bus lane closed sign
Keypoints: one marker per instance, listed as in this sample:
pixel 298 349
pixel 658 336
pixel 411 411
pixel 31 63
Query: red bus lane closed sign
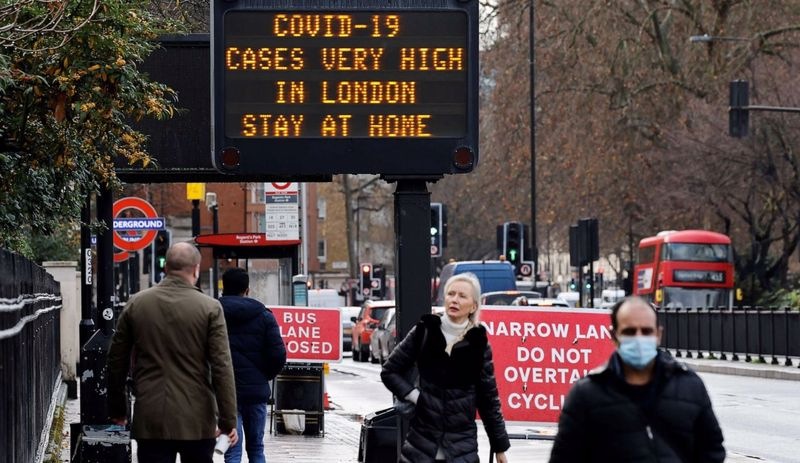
pixel 311 334
pixel 540 353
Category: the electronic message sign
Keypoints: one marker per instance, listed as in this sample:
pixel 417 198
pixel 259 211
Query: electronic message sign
pixel 321 89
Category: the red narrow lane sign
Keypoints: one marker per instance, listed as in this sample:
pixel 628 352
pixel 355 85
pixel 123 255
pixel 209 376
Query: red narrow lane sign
pixel 540 353
pixel 311 334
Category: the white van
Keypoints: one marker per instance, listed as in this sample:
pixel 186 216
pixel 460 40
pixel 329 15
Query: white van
pixel 610 296
pixel 325 298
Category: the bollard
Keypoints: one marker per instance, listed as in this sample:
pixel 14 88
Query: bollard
pixel 774 360
pixel 788 361
pixel 747 357
pixel 722 355
pixel 710 343
pixel 665 318
pixel 734 356
pixel 688 332
pixel 678 322
pixel 699 336
pixel 758 335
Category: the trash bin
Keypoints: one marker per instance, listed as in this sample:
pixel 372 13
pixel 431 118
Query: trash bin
pixel 299 389
pixel 378 442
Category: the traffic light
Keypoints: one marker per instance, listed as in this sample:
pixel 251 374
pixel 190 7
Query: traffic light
pixel 513 243
pixel 436 230
pixel 588 283
pixel 160 246
pixel 572 285
pixel 365 282
pixel 738 112
pixel 378 282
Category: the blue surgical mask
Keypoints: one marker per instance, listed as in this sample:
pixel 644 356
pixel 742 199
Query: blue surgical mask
pixel 637 351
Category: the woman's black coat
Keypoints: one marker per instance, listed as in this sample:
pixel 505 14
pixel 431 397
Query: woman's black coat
pixel 452 387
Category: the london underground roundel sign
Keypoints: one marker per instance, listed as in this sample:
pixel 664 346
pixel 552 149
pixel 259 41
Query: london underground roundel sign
pixel 135 233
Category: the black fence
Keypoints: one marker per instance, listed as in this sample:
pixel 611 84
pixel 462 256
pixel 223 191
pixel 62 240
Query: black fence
pixel 30 304
pixel 769 335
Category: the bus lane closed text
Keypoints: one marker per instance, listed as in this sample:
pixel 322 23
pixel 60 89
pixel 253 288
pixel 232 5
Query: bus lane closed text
pixel 540 353
pixel 311 334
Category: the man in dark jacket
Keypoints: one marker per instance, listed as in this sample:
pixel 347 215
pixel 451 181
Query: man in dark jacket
pixel 642 406
pixel 258 356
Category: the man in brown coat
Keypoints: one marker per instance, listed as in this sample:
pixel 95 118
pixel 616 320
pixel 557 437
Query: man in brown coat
pixel 173 339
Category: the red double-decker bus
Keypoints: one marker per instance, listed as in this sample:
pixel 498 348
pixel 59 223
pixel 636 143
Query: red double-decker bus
pixel 688 268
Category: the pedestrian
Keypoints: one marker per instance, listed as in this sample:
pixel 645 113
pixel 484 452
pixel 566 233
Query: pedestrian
pixel 642 406
pixel 455 378
pixel 258 354
pixel 173 339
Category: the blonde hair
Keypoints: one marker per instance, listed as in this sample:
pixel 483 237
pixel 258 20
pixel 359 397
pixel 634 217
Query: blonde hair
pixel 475 291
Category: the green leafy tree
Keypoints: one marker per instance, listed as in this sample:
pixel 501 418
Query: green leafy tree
pixel 69 91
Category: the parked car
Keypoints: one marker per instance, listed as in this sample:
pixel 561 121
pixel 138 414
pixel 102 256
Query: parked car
pixel 570 297
pixel 364 324
pixel 507 297
pixel 348 314
pixel 493 275
pixel 382 337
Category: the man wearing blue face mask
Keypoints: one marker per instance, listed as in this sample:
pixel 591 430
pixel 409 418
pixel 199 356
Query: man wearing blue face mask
pixel 642 406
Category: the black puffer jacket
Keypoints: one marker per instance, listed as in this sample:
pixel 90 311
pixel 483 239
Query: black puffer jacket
pixel 673 423
pixel 257 348
pixel 452 387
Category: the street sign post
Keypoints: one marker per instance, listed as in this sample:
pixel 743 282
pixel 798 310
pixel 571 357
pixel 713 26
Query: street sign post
pixel 347 88
pixel 539 353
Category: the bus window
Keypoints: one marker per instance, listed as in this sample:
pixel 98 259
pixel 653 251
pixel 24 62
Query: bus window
pixel 696 252
pixel 647 254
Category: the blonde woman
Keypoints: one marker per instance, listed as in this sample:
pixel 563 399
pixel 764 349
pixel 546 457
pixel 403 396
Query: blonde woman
pixel 456 379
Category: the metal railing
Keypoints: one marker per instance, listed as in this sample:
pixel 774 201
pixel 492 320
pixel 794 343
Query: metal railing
pixel 30 304
pixel 767 335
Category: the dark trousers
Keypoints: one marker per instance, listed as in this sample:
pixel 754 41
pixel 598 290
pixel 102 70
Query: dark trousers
pixel 164 451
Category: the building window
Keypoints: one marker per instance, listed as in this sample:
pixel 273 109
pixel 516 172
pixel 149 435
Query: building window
pixel 321 208
pixel 261 222
pixel 321 250
pixel 258 193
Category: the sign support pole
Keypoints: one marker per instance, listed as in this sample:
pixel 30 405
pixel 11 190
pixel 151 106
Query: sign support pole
pixel 87 325
pixel 412 216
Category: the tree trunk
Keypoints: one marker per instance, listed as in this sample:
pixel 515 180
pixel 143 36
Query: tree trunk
pixel 352 252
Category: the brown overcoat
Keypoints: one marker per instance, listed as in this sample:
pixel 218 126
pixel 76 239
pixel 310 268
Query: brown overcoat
pixel 173 339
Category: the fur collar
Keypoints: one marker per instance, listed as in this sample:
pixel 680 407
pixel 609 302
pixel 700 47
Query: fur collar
pixel 476 335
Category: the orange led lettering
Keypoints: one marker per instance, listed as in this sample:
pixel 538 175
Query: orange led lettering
pixel 369 92
pixel 312 25
pixel 231 59
pixel 333 126
pixel 270 125
pixel 426 59
pixel 264 59
pixel 351 59
pixel 297 93
pixel 399 125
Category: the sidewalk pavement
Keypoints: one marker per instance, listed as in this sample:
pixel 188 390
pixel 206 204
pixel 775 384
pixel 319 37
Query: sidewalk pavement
pixel 754 368
pixel 532 443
